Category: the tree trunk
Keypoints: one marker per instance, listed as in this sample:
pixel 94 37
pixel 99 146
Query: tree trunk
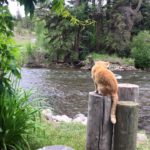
pixel 98 31
pixel 77 39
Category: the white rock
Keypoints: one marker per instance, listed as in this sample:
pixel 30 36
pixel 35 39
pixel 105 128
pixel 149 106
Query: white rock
pixel 47 114
pixel 142 138
pixel 62 118
pixel 79 115
pixel 80 118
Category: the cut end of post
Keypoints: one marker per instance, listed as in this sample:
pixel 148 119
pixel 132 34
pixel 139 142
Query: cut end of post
pixel 128 103
pixel 93 93
pixel 128 85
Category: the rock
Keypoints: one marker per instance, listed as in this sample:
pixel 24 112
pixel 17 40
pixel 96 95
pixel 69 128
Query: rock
pixel 142 138
pixel 62 118
pixel 47 114
pixel 56 147
pixel 80 118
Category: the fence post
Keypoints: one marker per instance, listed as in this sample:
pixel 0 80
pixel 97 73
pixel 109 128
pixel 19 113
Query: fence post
pixel 125 130
pixel 126 127
pixel 99 127
pixel 128 92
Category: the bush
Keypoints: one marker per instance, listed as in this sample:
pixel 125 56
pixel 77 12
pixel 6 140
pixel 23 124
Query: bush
pixel 141 50
pixel 9 52
pixel 15 120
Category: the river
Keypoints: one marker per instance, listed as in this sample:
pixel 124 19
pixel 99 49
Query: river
pixel 65 90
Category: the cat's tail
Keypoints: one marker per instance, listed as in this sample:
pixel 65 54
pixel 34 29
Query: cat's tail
pixel 115 99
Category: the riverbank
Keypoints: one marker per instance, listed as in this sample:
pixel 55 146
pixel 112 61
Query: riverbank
pixel 71 134
pixel 117 64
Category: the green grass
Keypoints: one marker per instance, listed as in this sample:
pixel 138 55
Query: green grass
pixel 69 134
pixel 144 146
pixel 113 58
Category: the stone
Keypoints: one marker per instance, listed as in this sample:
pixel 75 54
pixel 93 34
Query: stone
pixel 142 138
pixel 47 114
pixel 56 147
pixel 62 118
pixel 80 118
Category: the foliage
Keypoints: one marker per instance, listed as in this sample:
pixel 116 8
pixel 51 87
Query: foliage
pixel 15 120
pixel 65 37
pixel 41 40
pixel 30 48
pixel 71 36
pixel 60 36
pixel 8 51
pixel 109 34
pixel 25 23
pixel 112 58
pixel 144 22
pixel 141 49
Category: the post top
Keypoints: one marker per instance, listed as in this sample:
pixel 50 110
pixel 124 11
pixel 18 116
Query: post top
pixel 128 85
pixel 128 103
pixel 93 93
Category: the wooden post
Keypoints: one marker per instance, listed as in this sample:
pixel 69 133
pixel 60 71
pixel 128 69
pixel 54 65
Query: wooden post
pixel 99 127
pixel 126 126
pixel 128 92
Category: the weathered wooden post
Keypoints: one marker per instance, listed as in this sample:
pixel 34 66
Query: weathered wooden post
pixel 126 127
pixel 125 130
pixel 99 127
pixel 128 92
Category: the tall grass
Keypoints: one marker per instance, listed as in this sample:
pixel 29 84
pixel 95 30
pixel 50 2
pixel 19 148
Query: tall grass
pixel 16 119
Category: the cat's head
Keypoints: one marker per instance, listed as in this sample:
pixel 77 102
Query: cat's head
pixel 102 64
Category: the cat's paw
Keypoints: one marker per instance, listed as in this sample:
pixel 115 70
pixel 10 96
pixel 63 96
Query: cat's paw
pixel 113 119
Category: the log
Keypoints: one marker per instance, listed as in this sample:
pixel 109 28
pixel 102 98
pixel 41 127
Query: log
pixel 128 92
pixel 126 127
pixel 99 127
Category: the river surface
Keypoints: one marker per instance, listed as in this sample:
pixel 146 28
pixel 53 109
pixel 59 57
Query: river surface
pixel 65 90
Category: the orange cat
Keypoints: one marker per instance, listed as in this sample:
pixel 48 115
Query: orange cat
pixel 106 84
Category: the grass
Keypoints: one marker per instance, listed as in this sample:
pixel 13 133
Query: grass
pixel 144 146
pixel 69 134
pixel 16 118
pixel 112 58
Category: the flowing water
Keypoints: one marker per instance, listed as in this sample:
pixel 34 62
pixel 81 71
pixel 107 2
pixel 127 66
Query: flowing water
pixel 66 90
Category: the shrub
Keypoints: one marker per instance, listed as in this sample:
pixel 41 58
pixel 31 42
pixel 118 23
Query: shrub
pixel 15 120
pixel 141 50
pixel 9 52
